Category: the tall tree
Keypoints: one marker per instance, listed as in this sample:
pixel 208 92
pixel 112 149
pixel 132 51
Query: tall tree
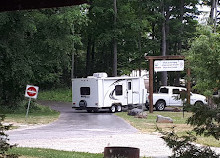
pixel 35 48
pixel 164 39
pixel 115 41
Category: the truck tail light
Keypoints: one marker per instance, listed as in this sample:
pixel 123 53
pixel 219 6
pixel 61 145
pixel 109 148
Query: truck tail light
pixel 74 103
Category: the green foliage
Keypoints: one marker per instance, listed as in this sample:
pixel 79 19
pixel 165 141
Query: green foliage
pixel 22 108
pixel 61 94
pixel 4 145
pixel 38 114
pixel 36 48
pixel 205 120
pixel 183 146
pixel 204 56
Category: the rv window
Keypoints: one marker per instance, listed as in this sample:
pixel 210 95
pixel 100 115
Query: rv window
pixel 118 90
pixel 84 91
pixel 129 85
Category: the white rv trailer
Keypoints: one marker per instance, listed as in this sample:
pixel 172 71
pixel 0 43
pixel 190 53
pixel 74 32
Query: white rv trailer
pixel 102 92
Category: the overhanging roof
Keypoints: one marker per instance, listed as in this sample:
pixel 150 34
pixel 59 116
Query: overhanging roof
pixel 10 5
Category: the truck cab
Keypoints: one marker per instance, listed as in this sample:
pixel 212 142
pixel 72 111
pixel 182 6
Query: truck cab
pixel 170 96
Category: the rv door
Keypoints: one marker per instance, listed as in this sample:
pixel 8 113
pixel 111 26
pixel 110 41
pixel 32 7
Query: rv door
pixel 129 92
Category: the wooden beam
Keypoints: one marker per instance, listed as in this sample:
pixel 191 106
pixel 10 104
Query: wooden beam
pixel 151 84
pixel 188 85
pixel 11 5
pixel 165 57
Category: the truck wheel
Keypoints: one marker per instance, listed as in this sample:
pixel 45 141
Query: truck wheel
pixel 113 109
pixel 160 105
pixel 199 103
pixel 147 105
pixel 119 108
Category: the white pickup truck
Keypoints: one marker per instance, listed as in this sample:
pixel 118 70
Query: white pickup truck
pixel 168 96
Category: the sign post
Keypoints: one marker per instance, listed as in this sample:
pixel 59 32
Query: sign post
pixel 166 63
pixel 29 102
pixel 31 92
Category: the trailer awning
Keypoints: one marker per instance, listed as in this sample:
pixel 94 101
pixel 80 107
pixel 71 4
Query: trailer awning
pixel 10 5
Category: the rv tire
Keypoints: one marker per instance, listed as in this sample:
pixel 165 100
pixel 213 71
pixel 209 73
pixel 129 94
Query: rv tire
pixel 113 109
pixel 95 110
pixel 119 108
pixel 89 111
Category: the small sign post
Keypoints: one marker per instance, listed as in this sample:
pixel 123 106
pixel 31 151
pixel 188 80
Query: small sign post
pixel 31 92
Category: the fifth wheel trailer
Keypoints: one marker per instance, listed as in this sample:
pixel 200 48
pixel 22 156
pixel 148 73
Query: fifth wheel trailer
pixel 102 92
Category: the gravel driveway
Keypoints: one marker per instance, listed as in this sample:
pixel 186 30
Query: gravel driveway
pixel 88 132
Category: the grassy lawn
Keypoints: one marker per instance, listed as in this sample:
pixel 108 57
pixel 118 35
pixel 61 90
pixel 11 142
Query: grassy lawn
pixel 149 125
pixel 50 153
pixel 62 94
pixel 33 118
pixel 38 114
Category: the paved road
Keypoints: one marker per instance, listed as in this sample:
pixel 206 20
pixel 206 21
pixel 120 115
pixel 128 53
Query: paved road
pixel 87 132
pixel 75 123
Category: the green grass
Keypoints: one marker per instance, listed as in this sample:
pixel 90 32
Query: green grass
pixel 38 114
pixel 149 125
pixel 50 153
pixel 62 94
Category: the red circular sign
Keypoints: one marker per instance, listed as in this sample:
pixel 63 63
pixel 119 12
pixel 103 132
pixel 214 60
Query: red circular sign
pixel 31 91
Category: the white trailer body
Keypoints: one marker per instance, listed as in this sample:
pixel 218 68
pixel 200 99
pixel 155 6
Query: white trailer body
pixel 102 92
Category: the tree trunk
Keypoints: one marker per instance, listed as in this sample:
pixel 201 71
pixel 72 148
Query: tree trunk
pixel 75 63
pixel 73 53
pixel 115 57
pixel 211 15
pixel 115 42
pixel 164 74
pixel 177 74
pixel 215 18
pixel 93 56
pixel 181 26
pixel 88 56
pixel 167 29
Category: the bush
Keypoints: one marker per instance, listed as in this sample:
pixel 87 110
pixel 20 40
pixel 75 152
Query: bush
pixel 183 146
pixel 4 145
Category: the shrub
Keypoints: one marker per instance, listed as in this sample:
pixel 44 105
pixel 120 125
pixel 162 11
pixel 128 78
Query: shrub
pixel 4 145
pixel 183 146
